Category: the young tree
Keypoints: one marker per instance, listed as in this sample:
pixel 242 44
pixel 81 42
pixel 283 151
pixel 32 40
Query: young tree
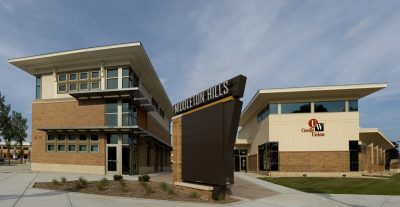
pixel 19 128
pixel 392 154
pixel 5 124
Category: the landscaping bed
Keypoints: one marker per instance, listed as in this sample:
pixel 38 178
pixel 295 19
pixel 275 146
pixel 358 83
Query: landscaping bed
pixel 370 186
pixel 136 189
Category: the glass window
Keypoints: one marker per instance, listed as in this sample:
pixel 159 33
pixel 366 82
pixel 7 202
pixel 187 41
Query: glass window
pixel 82 137
pixel 127 79
pixel 51 137
pixel 269 109
pixel 83 86
pixel 73 77
pixel 353 105
pixel 112 113
pixel 94 138
pixel 95 85
pixel 51 148
pixel 94 148
pixel 126 139
pixel 62 88
pixel 72 137
pixel 112 78
pixel 273 108
pixel 95 74
pixel 82 148
pixel 60 148
pixel 72 87
pixel 112 139
pixel 62 77
pixel 61 137
pixel 329 106
pixel 296 108
pixel 71 148
pixel 38 81
pixel 83 76
pixel 155 103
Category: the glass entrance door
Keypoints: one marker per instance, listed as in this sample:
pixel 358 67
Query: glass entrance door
pixel 111 158
pixel 126 157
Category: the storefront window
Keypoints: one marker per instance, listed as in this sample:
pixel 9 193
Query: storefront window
pixel 330 106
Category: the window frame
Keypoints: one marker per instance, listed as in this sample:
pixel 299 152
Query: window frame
pixel 84 79
pixel 111 78
pixel 76 79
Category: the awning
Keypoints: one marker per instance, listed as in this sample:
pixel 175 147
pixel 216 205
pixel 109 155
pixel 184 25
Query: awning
pixel 109 129
pixel 373 135
pixel 131 93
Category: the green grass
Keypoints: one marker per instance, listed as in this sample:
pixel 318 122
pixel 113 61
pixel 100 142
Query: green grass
pixel 371 186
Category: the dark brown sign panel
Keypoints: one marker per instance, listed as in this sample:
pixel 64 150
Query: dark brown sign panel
pixel 208 138
pixel 208 135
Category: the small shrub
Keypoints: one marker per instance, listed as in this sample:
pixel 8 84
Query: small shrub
pixel 63 179
pixel 104 181
pixel 171 191
pixel 148 189
pixel 193 195
pixel 122 186
pixel 144 178
pixel 164 186
pixel 55 181
pixel 82 181
pixel 118 177
pixel 100 186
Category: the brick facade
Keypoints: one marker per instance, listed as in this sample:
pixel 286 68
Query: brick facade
pixel 327 161
pixel 63 115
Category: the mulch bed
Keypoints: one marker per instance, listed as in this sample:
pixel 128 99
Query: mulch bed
pixel 136 190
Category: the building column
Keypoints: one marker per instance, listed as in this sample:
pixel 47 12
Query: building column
pixel 102 77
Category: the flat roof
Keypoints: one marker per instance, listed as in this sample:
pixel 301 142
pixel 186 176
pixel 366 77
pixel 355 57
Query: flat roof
pixel 374 135
pixel 133 51
pixel 265 96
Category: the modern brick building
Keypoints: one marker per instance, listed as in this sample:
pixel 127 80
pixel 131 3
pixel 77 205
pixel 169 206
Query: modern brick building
pixel 100 110
pixel 310 131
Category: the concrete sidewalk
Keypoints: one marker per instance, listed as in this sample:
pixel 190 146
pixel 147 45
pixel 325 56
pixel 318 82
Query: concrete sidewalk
pixel 16 190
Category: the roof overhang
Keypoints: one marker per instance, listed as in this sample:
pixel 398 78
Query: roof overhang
pixel 265 96
pixel 131 93
pixel 373 135
pixel 110 129
pixel 132 52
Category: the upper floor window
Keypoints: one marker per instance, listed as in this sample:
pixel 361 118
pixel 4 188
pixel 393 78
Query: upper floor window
pixel 155 103
pixel 112 78
pixel 112 113
pixel 129 78
pixel 162 113
pixel 330 106
pixel 38 88
pixel 288 108
pixel 353 105
pixel 78 81
pixel 269 109
pixel 129 113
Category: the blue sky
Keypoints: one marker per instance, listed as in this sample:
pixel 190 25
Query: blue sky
pixel 193 44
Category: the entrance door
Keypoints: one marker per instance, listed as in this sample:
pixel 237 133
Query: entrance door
pixel 243 163
pixel 112 159
pixel 237 163
pixel 126 157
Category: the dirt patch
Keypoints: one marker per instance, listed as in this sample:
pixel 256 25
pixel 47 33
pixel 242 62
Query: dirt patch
pixel 149 190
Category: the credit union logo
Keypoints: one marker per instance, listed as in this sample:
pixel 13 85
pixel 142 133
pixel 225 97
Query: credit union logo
pixel 316 129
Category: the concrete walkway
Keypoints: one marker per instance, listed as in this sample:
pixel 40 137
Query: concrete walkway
pixel 16 190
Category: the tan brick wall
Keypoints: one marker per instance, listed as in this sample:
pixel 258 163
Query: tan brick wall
pixel 177 149
pixel 157 130
pixel 327 161
pixel 62 115
pixel 252 162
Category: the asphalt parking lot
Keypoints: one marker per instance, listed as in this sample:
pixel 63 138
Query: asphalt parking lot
pixel 16 190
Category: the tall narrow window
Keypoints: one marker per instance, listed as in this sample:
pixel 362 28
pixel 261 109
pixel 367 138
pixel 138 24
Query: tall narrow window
pixel 38 88
pixel 112 78
pixel 354 149
pixel 112 113
pixel 126 113
pixel 273 155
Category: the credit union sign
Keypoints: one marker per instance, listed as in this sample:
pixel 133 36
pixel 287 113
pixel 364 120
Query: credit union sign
pixel 316 129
